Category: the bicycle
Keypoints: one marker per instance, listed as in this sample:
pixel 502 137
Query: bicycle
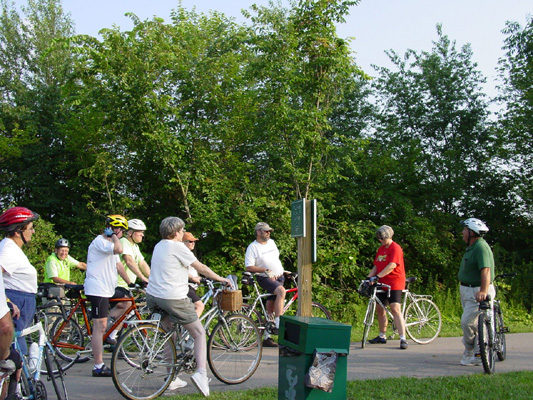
pixel 491 331
pixel 265 321
pixel 423 320
pixel 30 385
pixel 69 339
pixel 148 357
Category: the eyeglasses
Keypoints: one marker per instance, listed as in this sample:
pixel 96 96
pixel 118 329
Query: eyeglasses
pixel 189 241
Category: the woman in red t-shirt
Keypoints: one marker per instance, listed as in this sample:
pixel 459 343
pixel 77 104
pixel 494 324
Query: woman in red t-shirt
pixel 389 268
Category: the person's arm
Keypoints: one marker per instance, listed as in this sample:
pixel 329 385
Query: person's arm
pixel 208 273
pixel 387 270
pixel 117 245
pixel 372 273
pixel 58 280
pixel 485 282
pixel 6 336
pixel 82 266
pixel 132 265
pixel 122 272
pixel 145 268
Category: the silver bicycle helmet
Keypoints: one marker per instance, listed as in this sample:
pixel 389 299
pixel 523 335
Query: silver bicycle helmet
pixel 136 225
pixel 476 225
pixel 62 243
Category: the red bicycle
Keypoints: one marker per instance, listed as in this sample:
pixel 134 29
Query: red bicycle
pixel 72 341
pixel 256 309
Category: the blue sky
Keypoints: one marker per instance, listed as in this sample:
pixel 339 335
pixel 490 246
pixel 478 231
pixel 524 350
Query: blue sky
pixel 375 25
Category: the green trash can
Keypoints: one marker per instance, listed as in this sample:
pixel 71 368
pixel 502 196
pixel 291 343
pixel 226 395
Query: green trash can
pixel 299 339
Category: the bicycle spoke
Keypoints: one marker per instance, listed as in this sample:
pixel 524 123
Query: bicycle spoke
pixel 143 362
pixel 423 321
pixel 234 349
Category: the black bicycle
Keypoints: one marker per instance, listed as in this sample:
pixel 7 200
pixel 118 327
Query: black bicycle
pixel 491 331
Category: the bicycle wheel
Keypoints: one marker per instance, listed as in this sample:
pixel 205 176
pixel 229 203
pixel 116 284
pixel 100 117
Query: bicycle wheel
pixel 318 310
pixel 52 364
pixel 69 336
pixel 423 321
pixel 500 344
pixel 143 362
pixel 485 340
pixel 369 320
pixel 234 349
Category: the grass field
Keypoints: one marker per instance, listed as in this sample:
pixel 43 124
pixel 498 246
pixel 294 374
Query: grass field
pixel 513 385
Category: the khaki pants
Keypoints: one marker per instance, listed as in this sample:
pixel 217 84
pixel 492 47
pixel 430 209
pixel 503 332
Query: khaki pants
pixel 470 315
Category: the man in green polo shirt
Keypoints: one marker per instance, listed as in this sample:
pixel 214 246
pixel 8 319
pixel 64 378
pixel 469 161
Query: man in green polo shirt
pixel 476 274
pixel 58 265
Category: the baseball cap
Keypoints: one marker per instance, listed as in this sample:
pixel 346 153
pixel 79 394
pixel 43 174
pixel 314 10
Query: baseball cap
pixel 263 226
pixel 187 236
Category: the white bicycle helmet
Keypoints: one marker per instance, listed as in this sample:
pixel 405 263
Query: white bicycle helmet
pixel 136 225
pixel 476 225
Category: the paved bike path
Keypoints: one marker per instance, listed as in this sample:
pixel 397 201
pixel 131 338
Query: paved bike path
pixel 440 358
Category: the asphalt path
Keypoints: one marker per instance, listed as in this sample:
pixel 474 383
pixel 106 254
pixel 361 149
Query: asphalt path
pixel 440 358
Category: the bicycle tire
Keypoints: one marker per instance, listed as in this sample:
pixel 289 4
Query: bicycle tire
pixel 234 349
pixel 71 334
pixel 57 379
pixel 143 362
pixel 368 321
pixel 501 345
pixel 423 321
pixel 485 341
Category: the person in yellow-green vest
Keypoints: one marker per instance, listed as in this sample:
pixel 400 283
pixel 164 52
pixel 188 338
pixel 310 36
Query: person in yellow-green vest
pixel 58 265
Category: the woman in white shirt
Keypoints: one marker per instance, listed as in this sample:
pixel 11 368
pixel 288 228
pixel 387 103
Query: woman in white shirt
pixel 20 277
pixel 168 288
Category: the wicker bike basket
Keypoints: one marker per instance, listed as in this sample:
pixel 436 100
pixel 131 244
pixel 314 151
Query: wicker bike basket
pixel 231 300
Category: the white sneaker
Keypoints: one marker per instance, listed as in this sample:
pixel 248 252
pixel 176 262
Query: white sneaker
pixel 470 359
pixel 176 384
pixel 201 382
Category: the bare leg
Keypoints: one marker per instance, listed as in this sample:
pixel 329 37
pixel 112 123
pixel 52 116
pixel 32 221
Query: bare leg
pixel 99 325
pixel 382 319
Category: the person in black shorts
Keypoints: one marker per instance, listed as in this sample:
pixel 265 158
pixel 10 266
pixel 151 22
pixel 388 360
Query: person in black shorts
pixel 262 258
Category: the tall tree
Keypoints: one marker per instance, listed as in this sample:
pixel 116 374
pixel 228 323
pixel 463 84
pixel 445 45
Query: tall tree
pixel 32 73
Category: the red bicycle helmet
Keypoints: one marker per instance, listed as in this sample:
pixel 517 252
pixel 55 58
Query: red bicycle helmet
pixel 16 217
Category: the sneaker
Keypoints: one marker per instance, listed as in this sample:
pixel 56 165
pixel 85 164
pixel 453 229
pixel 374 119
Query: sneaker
pixel 470 360
pixel 104 372
pixel 201 382
pixel 403 344
pixel 269 343
pixel 176 384
pixel 378 339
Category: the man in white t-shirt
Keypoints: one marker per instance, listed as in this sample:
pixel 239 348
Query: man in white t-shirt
pixel 262 258
pixel 103 263
pixel 168 288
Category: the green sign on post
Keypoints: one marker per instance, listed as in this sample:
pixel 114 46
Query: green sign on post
pixel 298 218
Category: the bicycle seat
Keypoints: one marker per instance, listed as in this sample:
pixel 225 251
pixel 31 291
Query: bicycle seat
pixel 247 278
pixel 410 279
pixel 74 291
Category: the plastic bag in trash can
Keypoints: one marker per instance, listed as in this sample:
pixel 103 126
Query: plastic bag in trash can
pixel 321 374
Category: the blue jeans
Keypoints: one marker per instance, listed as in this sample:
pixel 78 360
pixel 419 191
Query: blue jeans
pixel 26 304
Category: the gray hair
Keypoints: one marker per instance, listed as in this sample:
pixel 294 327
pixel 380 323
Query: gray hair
pixel 170 226
pixel 385 232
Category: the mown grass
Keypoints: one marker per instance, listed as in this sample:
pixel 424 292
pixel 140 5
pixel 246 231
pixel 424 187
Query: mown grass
pixel 512 385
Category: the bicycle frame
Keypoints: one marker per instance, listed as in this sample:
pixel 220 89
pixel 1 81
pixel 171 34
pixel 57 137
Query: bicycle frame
pixel 35 376
pixel 408 298
pixel 81 304
pixel 260 296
